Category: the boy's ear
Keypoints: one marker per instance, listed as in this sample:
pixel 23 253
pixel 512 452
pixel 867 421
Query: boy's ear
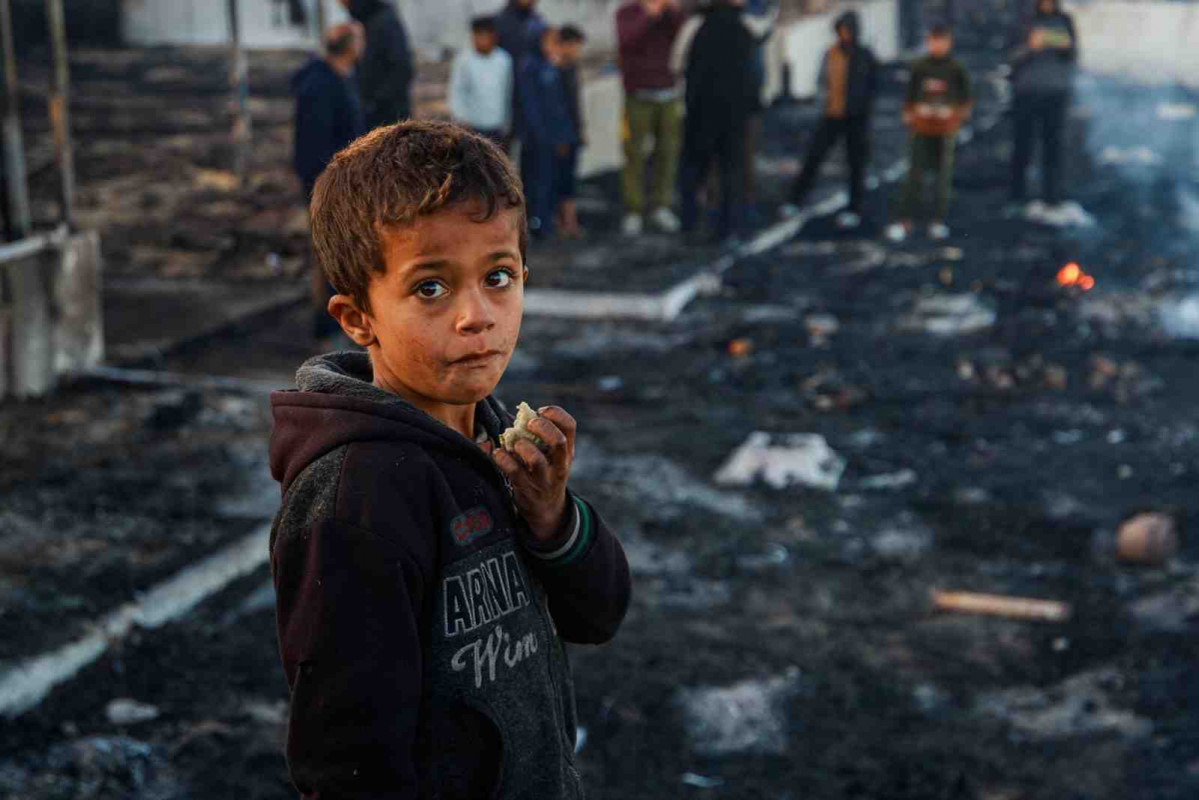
pixel 524 275
pixel 355 323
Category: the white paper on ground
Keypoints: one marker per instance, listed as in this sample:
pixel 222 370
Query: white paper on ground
pixel 782 460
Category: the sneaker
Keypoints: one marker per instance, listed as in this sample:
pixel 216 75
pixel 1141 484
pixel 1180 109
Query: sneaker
pixel 788 211
pixel 897 232
pixel 632 225
pixel 848 220
pixel 938 231
pixel 665 220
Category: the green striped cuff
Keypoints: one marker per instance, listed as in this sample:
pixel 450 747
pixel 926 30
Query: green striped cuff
pixel 576 543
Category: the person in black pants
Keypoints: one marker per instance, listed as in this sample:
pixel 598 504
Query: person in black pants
pixel 722 93
pixel 849 82
pixel 1042 74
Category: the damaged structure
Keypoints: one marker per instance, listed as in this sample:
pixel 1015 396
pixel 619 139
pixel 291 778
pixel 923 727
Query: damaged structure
pixel 50 321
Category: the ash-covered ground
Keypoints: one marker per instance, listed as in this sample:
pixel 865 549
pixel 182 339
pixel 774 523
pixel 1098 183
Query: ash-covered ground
pixel 995 429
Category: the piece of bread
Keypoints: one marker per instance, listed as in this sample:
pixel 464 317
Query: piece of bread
pixel 520 429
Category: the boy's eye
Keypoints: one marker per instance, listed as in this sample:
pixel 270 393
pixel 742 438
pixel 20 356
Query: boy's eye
pixel 430 290
pixel 499 279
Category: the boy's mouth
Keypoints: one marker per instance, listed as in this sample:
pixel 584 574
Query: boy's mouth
pixel 477 358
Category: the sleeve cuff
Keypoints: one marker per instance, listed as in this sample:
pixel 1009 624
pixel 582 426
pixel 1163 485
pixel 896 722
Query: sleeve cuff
pixel 568 547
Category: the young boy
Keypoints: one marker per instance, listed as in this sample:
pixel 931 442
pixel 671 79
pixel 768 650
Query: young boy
pixel 571 41
pixel 548 133
pixel 938 101
pixel 426 578
pixel 481 84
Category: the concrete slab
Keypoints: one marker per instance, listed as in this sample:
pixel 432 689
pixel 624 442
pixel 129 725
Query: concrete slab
pixel 182 311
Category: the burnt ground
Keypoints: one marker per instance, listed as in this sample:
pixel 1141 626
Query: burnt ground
pixel 1009 454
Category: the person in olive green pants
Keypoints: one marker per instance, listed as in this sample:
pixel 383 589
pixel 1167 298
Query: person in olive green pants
pixel 645 33
pixel 663 121
pixel 937 103
pixel 928 154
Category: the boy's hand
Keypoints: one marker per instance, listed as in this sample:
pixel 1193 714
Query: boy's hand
pixel 539 479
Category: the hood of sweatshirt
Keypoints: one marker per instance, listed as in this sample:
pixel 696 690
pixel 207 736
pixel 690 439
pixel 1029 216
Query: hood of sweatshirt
pixel 362 10
pixel 315 72
pixel 335 404
pixel 849 20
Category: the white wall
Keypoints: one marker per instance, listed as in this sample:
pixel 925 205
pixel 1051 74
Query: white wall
pixel 438 25
pixel 263 23
pixel 1151 42
pixel 433 25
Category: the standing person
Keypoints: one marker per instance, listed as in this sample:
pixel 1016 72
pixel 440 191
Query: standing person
pixel 426 575
pixel 481 84
pixel 937 103
pixel 849 82
pixel 549 134
pixel 1042 78
pixel 570 40
pixel 518 26
pixel 653 106
pixel 721 96
pixel 328 117
pixel 386 71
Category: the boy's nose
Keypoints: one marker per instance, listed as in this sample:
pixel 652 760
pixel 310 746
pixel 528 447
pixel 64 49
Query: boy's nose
pixel 475 314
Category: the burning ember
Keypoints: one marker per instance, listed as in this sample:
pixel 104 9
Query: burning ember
pixel 1072 275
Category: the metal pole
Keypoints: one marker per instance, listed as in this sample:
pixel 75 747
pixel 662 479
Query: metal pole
pixel 60 112
pixel 319 17
pixel 239 83
pixel 16 194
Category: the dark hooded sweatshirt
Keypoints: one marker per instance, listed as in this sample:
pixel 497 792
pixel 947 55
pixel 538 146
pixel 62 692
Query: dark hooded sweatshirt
pixel 850 73
pixel 420 627
pixel 722 89
pixel 386 69
pixel 1049 71
pixel 328 117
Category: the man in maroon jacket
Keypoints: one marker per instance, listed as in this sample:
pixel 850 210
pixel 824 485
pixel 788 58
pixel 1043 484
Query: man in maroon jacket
pixel 653 106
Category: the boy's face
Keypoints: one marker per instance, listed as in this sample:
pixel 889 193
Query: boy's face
pixel 446 314
pixel 484 41
pixel 939 46
pixel 571 52
pixel 551 47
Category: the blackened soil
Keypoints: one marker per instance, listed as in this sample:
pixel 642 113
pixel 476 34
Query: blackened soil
pixel 107 491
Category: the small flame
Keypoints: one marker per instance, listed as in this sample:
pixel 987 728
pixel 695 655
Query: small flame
pixel 1072 275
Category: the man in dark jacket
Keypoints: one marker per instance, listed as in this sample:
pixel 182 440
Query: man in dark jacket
pixel 848 82
pixel 549 130
pixel 518 25
pixel 1042 76
pixel 328 117
pixel 386 71
pixel 722 94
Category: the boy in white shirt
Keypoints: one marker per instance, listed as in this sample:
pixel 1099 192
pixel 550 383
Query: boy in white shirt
pixel 481 83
